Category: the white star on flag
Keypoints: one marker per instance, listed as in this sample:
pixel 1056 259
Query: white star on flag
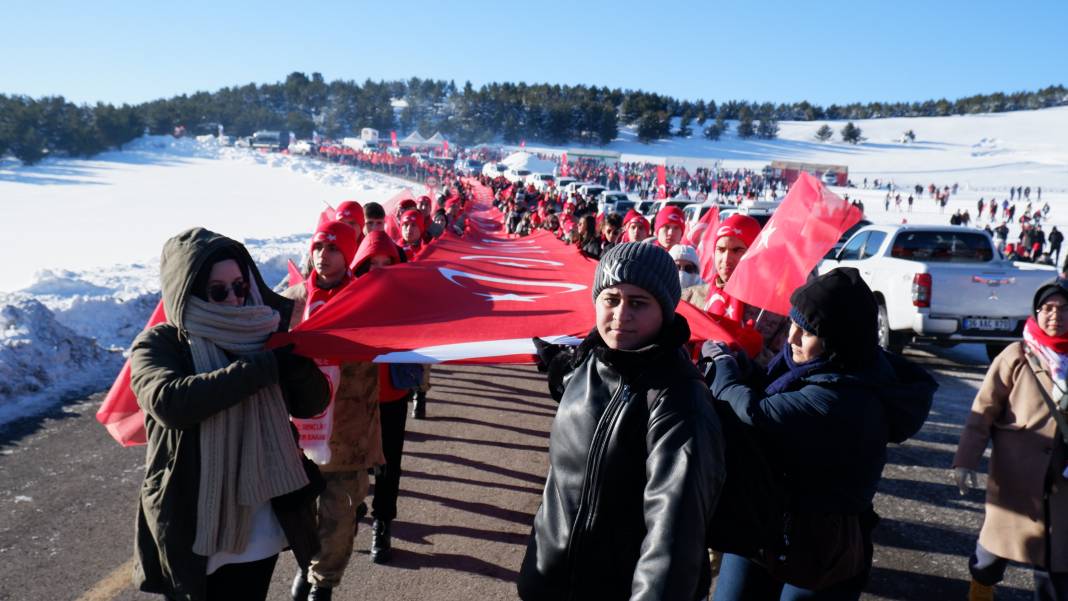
pixel 765 235
pixel 508 296
pixel 730 311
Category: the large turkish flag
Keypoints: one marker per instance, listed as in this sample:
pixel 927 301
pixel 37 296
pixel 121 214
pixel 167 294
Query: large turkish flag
pixel 807 224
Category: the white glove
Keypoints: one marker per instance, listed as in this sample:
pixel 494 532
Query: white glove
pixel 966 479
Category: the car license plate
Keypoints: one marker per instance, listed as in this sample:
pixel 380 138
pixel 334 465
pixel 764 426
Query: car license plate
pixel 987 324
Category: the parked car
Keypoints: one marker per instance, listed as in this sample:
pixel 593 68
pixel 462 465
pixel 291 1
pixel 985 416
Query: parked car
pixel 516 176
pixel 945 284
pixel 301 147
pixel 563 182
pixel 608 201
pixel 270 140
pixel 829 178
pixel 845 237
pixel 494 169
pixel 468 166
pixel 591 191
pixel 541 181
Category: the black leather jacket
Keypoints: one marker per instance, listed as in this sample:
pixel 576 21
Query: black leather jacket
pixel 636 465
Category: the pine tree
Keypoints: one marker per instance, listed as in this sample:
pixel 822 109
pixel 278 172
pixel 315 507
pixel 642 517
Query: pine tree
pixel 745 123
pixel 768 128
pixel 714 131
pixel 685 131
pixel 851 133
pixel 824 133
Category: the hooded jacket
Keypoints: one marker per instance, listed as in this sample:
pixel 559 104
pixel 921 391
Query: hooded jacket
pixel 175 399
pixel 635 468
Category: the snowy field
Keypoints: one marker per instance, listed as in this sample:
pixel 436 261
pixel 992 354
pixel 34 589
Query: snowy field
pixel 81 238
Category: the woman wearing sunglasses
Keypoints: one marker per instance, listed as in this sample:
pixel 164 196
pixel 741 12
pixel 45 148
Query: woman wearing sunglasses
pixel 226 487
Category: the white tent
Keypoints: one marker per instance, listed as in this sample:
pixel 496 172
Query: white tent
pixel 413 139
pixel 436 139
pixel 525 160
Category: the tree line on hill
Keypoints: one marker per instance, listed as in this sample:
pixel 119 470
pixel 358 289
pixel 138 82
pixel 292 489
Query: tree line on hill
pixel 510 112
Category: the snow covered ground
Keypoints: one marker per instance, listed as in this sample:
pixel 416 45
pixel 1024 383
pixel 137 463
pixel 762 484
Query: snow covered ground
pixel 81 238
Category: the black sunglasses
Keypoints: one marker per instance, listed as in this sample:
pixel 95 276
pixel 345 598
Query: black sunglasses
pixel 221 292
pixel 688 268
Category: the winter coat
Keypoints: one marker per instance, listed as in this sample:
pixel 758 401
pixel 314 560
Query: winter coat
pixel 828 431
pixel 1010 411
pixel 356 437
pixel 635 469
pixel 773 327
pixel 176 399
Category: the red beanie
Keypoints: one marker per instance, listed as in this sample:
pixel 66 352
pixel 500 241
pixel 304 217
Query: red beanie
pixel 412 216
pixel 742 227
pixel 351 210
pixel 670 215
pixel 340 234
pixel 375 243
pixel 407 203
pixel 633 215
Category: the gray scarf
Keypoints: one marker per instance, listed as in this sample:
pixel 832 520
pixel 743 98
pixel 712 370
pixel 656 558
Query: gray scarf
pixel 247 452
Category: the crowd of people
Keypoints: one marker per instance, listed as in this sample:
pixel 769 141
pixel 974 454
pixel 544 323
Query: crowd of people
pixel 670 461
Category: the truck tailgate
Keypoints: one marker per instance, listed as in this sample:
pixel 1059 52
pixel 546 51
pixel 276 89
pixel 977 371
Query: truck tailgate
pixel 996 289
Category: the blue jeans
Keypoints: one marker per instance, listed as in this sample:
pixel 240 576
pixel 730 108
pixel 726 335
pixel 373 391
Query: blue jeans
pixel 743 580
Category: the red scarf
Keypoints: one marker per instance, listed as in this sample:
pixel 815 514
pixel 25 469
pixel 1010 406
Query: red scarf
pixel 1035 333
pixel 317 297
pixel 722 304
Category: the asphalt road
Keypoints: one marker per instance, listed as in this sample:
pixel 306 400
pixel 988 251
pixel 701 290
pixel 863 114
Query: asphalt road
pixel 473 476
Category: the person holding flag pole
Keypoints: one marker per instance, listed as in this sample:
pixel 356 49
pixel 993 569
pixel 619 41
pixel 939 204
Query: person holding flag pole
pixel 345 440
pixel 730 241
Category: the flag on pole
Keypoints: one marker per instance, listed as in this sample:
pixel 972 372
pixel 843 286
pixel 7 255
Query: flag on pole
pixel 393 138
pixel 563 165
pixel 120 413
pixel 661 181
pixel 703 238
pixel 800 232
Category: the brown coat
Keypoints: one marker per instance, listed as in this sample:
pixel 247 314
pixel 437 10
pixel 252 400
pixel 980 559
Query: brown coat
pixel 356 438
pixel 773 327
pixel 1010 411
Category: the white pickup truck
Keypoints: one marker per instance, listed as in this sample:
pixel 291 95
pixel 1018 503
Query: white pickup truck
pixel 946 284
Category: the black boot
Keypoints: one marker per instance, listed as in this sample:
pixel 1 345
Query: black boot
pixel 419 405
pixel 381 549
pixel 321 593
pixel 301 587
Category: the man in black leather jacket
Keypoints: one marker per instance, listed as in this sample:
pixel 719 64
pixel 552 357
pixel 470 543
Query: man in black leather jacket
pixel 635 453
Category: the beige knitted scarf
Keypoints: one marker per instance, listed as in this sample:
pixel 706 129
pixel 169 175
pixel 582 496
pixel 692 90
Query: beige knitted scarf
pixel 247 452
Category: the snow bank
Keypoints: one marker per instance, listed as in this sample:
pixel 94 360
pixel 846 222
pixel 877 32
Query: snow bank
pixel 72 301
pixel 43 361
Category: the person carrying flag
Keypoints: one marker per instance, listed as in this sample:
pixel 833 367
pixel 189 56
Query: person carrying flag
pixel 355 441
pixel 377 251
pixel 732 239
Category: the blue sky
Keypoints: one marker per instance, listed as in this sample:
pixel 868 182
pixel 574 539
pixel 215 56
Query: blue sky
pixel 825 51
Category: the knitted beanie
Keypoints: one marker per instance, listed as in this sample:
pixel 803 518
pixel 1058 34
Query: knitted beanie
pixel 338 233
pixel 839 307
pixel 646 266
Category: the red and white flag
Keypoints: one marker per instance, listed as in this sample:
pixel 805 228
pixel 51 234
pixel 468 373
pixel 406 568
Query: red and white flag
pixel 120 413
pixel 661 181
pixel 703 238
pixel 800 232
pixel 563 165
pixel 393 138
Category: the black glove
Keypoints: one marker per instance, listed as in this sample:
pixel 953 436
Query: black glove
pixel 291 364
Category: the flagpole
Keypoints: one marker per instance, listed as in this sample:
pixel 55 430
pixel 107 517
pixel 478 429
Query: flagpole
pixel 757 320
